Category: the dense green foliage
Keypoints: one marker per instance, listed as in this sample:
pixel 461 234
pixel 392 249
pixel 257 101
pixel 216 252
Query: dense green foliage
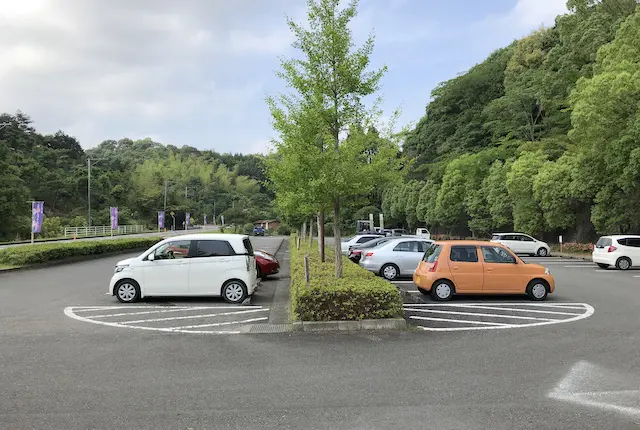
pixel 358 295
pixel 44 253
pixel 542 137
pixel 125 173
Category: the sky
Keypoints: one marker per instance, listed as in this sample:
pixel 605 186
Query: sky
pixel 196 72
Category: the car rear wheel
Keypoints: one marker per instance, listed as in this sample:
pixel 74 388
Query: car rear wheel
pixel 537 290
pixel 234 292
pixel 442 290
pixel 390 272
pixel 127 291
pixel 603 266
pixel 542 252
pixel 623 263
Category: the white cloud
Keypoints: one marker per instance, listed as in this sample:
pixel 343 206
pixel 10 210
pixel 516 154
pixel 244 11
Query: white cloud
pixel 525 15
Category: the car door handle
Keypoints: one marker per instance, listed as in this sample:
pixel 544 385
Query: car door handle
pixel 456 267
pixel 489 269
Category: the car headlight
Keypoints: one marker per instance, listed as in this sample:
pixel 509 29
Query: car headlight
pixel 119 269
pixel 547 271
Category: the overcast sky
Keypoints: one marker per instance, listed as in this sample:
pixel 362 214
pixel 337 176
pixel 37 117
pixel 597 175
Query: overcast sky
pixel 196 72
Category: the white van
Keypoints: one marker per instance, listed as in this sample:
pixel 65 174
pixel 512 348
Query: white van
pixel 190 265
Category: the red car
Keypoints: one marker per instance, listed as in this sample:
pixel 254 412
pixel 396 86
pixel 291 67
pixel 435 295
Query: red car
pixel 266 264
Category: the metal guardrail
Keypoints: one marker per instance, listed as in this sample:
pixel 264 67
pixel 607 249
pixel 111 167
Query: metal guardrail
pixel 101 230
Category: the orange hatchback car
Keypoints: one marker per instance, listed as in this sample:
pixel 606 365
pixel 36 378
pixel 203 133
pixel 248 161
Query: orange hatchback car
pixel 475 267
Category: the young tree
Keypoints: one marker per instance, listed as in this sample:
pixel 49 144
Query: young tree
pixel 326 155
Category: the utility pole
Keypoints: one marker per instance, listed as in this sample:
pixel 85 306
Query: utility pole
pixel 89 164
pixel 166 183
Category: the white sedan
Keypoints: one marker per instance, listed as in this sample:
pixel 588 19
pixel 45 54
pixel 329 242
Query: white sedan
pixel 395 258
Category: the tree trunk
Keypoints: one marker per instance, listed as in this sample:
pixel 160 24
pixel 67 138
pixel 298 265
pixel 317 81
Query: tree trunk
pixel 321 234
pixel 303 231
pixel 336 236
pixel 310 232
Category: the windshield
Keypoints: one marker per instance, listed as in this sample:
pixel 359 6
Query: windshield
pixel 348 239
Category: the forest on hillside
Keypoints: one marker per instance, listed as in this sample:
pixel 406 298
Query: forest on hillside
pixel 124 173
pixel 542 137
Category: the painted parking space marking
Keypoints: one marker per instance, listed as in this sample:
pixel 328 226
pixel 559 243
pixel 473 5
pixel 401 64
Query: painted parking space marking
pixel 487 316
pixel 183 319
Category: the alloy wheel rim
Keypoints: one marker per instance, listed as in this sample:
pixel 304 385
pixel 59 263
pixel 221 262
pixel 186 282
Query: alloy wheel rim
pixel 234 292
pixel 538 291
pixel 542 252
pixel 624 264
pixel 126 292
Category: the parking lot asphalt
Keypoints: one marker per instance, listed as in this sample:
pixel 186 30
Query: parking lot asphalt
pixel 58 372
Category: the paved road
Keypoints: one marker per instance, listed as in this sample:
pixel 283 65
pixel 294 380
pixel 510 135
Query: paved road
pixel 58 372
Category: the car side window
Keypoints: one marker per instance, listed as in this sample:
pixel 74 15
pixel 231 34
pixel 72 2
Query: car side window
pixel 408 246
pixel 172 250
pixel 496 254
pixel 634 241
pixel 526 238
pixel 213 248
pixel 364 239
pixel 623 242
pixel 464 254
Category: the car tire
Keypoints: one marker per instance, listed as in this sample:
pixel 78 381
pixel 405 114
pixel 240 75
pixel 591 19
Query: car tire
pixel 623 263
pixel 538 290
pixel 127 291
pixel 234 292
pixel 442 290
pixel 542 252
pixel 390 272
pixel 603 266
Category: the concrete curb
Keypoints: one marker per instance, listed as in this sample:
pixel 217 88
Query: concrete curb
pixel 330 326
pixel 571 256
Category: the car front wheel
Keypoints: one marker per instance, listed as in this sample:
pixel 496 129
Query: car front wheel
pixel 127 291
pixel 537 290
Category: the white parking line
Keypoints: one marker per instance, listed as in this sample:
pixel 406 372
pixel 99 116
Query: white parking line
pixel 535 311
pixel 459 321
pixel 185 317
pixel 219 324
pixel 151 312
pixel 478 314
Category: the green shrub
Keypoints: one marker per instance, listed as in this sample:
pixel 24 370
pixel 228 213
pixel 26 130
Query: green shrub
pixel 283 230
pixel 41 253
pixel 574 247
pixel 358 295
pixel 248 228
pixel 51 227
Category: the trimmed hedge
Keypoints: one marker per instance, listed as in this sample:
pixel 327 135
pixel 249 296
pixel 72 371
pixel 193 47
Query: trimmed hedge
pixel 43 253
pixel 574 248
pixel 358 295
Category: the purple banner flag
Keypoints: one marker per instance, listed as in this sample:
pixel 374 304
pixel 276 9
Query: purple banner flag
pixel 160 219
pixel 114 218
pixel 188 220
pixel 37 215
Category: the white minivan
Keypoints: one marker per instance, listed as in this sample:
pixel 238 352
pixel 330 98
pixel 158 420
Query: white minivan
pixel 190 265
pixel 620 251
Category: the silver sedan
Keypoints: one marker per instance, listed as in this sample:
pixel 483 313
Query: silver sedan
pixel 395 258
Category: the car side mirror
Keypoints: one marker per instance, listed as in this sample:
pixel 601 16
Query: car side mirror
pixel 151 256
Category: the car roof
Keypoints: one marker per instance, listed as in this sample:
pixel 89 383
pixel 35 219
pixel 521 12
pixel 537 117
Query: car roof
pixel 513 232
pixel 467 242
pixel 209 236
pixel 619 236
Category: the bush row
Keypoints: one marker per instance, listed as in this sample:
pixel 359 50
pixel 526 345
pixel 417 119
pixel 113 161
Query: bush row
pixel 574 247
pixel 358 295
pixel 42 253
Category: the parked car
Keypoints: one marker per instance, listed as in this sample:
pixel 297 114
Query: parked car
pixel 423 232
pixel 474 267
pixel 360 238
pixel 521 243
pixel 355 251
pixel 208 265
pixel 258 231
pixel 395 258
pixel 621 251
pixel 266 264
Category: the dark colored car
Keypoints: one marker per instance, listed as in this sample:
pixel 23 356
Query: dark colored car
pixel 258 231
pixel 355 251
pixel 266 264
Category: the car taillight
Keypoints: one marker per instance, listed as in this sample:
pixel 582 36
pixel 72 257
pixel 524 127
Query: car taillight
pixel 433 266
pixel 356 252
pixel 368 254
pixel 611 248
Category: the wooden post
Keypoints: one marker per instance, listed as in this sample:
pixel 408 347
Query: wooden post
pixel 310 233
pixel 304 230
pixel 307 276
pixel 298 243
